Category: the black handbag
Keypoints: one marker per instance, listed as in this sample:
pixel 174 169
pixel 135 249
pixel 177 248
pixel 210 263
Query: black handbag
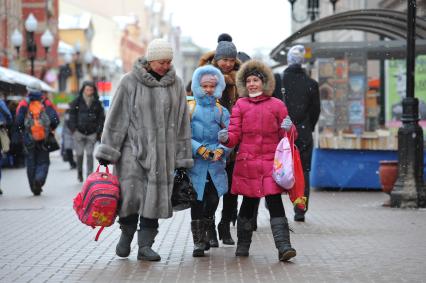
pixel 51 143
pixel 183 194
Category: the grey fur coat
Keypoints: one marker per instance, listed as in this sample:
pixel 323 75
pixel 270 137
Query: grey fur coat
pixel 147 135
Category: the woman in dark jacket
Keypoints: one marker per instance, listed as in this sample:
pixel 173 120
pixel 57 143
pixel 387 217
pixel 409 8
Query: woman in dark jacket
pixel 86 120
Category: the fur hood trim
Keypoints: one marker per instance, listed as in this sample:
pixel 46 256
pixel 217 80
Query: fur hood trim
pixel 249 66
pixel 140 71
pixel 196 77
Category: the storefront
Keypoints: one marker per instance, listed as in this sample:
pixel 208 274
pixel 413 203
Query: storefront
pixel 360 109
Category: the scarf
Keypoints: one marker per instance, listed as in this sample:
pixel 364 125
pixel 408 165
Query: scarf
pixel 255 94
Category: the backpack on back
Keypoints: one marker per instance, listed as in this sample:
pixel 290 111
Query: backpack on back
pixel 37 121
pixel 97 203
pixel 192 103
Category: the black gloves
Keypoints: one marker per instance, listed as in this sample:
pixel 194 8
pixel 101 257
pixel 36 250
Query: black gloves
pixel 104 162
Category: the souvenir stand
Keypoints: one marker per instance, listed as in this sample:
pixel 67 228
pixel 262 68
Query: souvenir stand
pixel 351 141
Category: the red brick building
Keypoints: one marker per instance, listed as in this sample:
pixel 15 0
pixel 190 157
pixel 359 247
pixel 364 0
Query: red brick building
pixel 131 47
pixel 13 14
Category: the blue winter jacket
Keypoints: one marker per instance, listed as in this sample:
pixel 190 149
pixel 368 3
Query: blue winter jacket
pixel 206 121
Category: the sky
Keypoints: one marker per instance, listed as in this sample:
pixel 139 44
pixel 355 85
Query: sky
pixel 253 24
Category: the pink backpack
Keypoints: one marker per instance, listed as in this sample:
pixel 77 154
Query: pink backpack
pixel 283 170
pixel 96 204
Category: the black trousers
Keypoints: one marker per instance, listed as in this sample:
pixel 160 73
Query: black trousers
pixel 274 202
pixel 144 222
pixel 70 157
pixel 230 201
pixel 207 207
pixel 306 158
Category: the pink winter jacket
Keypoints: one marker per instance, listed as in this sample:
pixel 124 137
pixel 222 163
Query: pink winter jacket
pixel 255 127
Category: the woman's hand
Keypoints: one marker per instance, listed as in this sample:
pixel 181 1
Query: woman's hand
pixel 104 162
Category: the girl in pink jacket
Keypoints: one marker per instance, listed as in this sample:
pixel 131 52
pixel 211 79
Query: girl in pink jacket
pixel 258 122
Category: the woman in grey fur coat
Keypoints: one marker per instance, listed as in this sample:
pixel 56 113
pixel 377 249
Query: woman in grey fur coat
pixel 147 135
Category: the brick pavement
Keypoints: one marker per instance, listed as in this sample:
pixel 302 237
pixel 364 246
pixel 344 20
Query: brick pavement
pixel 348 237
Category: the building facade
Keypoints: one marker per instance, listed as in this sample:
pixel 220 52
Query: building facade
pixel 13 14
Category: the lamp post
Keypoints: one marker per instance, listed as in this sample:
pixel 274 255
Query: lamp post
pixel 30 27
pixel 409 190
pixel 46 39
pixel 88 59
pixel 77 64
pixel 312 12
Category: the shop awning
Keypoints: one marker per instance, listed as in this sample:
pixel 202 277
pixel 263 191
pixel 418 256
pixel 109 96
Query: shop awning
pixel 375 50
pixel 14 81
pixel 391 25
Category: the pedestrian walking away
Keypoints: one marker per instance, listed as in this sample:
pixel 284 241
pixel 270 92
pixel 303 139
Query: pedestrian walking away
pixel 16 151
pixel 208 175
pixel 36 118
pixel 301 95
pixel 86 120
pixel 225 59
pixel 147 135
pixel 67 144
pixel 5 122
pixel 258 122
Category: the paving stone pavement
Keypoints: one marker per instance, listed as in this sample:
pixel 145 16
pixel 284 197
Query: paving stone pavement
pixel 348 237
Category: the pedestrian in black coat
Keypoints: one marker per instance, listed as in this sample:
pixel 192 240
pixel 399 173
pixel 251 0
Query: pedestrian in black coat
pixel 301 95
pixel 86 121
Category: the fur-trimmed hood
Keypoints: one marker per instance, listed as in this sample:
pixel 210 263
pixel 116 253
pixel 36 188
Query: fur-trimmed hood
pixel 140 71
pixel 196 88
pixel 249 66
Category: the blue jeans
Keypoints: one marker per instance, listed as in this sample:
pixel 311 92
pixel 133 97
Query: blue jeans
pixel 37 161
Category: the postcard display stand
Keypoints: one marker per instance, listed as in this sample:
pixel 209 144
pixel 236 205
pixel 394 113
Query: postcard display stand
pixel 348 155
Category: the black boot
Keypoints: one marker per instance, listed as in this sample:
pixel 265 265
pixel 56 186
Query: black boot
pixel 281 233
pixel 127 232
pixel 146 238
pixel 36 188
pixel 225 232
pixel 244 234
pixel 299 214
pixel 234 216
pixel 198 235
pixel 211 232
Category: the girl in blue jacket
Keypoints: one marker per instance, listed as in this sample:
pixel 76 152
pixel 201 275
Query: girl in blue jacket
pixel 208 175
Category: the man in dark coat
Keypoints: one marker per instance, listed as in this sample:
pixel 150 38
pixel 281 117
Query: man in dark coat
pixel 86 121
pixel 301 95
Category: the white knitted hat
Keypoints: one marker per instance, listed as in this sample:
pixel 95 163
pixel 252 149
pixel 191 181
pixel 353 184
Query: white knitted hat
pixel 159 49
pixel 296 55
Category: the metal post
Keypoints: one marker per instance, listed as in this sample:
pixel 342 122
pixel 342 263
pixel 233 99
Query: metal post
pixel 31 49
pixel 409 190
pixel 382 89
